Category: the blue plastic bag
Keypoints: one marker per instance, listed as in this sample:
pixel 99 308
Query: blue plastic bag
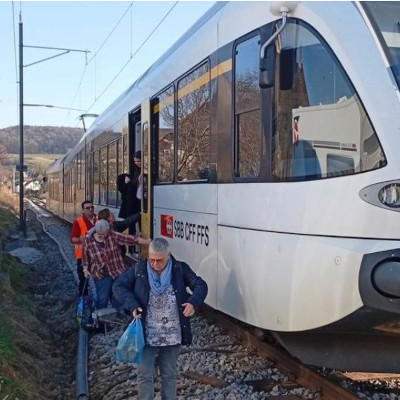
pixel 84 309
pixel 131 344
pixel 84 312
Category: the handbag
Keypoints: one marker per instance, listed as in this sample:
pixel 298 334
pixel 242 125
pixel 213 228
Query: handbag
pixel 84 310
pixel 131 344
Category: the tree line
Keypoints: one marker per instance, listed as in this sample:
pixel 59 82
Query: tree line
pixel 40 139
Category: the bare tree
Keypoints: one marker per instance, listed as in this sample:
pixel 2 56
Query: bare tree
pixel 3 153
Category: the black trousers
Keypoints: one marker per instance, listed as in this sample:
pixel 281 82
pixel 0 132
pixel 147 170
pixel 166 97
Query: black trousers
pixel 81 277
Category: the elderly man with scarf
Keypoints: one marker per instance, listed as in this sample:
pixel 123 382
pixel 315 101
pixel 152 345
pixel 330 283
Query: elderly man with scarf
pixel 155 289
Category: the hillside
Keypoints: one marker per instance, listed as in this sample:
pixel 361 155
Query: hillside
pixel 41 139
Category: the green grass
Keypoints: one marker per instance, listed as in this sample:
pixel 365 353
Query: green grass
pixel 11 281
pixel 7 346
pixel 10 267
pixel 10 390
pixel 7 221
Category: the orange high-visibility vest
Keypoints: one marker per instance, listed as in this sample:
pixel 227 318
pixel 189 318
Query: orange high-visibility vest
pixel 83 228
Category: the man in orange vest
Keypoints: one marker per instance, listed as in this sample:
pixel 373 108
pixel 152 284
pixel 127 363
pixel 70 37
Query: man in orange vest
pixel 80 228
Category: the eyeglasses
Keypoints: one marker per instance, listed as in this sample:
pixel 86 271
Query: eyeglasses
pixel 88 208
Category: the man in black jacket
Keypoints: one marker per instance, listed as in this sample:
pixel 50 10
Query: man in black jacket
pixel 155 289
pixel 127 185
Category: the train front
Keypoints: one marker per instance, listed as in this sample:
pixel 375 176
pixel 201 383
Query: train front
pixel 346 127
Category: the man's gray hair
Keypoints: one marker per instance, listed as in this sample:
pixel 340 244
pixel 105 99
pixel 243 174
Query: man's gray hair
pixel 159 245
pixel 102 226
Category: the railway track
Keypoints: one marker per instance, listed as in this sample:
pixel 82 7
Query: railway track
pixel 226 361
pixel 302 375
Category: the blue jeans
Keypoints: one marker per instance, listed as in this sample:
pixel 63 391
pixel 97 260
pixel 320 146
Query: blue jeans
pixel 103 290
pixel 167 359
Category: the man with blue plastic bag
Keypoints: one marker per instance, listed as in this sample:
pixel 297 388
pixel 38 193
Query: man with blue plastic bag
pixel 155 289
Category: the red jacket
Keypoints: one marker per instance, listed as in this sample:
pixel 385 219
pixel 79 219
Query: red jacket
pixel 80 227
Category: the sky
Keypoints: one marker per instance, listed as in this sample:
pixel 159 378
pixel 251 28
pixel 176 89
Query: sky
pixel 113 32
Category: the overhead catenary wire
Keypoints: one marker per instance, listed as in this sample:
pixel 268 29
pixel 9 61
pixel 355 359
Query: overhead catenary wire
pixel 133 55
pixel 94 58
pixel 112 31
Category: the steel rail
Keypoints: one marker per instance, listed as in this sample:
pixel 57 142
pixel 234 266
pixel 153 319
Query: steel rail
pixel 302 374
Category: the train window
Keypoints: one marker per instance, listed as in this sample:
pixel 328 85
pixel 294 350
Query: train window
pixel 55 188
pixel 68 186
pixel 89 177
pixel 145 167
pixel 193 150
pixel 317 113
pixel 248 138
pixel 164 116
pixel 51 188
pixel 96 177
pixel 385 21
pixel 65 192
pixel 71 183
pixel 81 169
pixel 78 170
pixel 125 164
pixel 120 164
pixel 103 175
pixel 112 174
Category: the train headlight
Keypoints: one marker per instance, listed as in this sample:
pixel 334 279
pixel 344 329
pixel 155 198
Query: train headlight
pixel 390 195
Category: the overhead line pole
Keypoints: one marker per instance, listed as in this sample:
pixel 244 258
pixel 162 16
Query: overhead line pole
pixel 21 167
pixel 22 226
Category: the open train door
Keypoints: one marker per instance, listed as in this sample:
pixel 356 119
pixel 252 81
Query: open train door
pixel 147 184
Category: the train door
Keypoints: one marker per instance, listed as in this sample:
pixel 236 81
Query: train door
pixel 147 211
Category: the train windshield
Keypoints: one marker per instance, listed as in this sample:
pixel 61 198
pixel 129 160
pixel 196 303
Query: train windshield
pixel 385 18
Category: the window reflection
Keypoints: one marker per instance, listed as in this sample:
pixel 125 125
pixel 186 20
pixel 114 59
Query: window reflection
pixel 166 115
pixel 89 176
pixel 96 177
pixel 103 176
pixel 112 174
pixel 194 125
pixel 248 143
pixel 320 127
pixel 82 170
pixel 120 156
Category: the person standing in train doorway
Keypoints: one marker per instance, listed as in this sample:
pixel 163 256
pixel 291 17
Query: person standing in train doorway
pixel 127 185
pixel 80 228
pixel 155 289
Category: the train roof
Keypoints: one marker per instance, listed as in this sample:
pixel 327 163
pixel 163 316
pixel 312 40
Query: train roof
pixel 113 114
pixel 215 28
pixel 142 87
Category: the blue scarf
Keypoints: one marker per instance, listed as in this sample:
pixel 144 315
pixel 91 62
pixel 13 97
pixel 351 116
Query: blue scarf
pixel 159 283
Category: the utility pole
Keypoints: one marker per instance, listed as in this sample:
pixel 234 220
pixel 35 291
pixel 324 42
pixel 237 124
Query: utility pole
pixel 21 166
pixel 22 226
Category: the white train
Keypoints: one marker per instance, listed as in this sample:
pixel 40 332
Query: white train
pixel 270 134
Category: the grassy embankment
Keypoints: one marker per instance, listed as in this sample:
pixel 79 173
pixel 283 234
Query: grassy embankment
pixel 11 384
pixel 18 328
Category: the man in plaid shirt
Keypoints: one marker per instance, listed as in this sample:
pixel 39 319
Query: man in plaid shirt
pixel 102 258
